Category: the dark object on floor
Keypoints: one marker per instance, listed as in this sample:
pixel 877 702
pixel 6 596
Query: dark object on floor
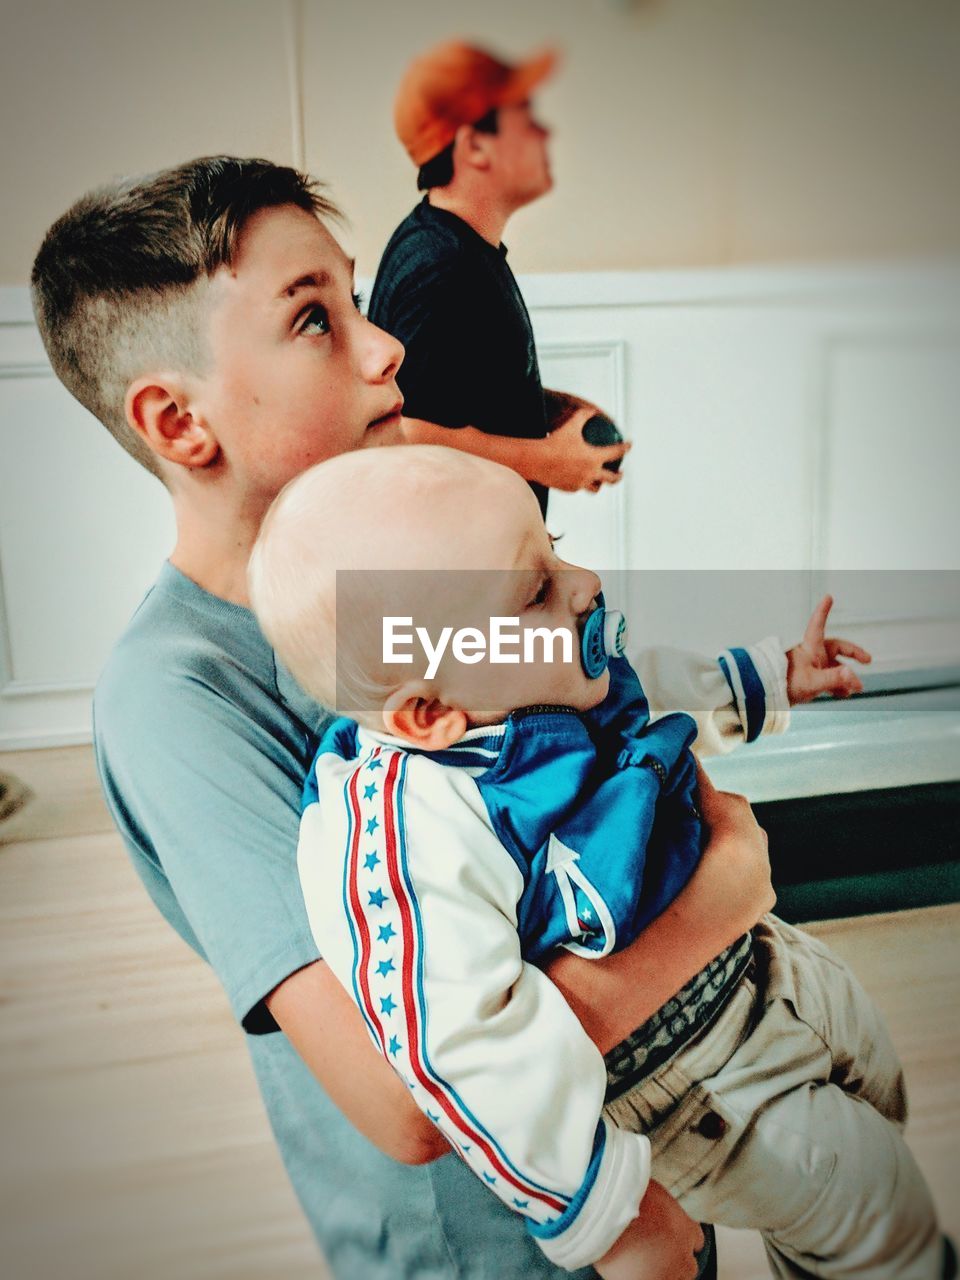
pixel 850 855
pixel 14 794
pixel 600 430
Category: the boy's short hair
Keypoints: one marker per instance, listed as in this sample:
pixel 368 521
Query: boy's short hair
pixel 114 283
pixel 438 171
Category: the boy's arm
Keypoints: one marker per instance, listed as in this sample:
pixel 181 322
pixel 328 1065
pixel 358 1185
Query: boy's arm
pixel 353 1074
pixel 416 899
pixel 446 344
pixel 561 460
pixel 728 893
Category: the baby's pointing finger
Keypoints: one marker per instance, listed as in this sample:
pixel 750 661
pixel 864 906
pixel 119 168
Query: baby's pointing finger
pixel 813 635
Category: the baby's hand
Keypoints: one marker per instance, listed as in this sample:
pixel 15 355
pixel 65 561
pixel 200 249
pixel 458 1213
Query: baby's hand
pixel 659 1244
pixel 813 666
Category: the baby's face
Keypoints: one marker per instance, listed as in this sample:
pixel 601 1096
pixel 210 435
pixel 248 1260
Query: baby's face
pixel 508 569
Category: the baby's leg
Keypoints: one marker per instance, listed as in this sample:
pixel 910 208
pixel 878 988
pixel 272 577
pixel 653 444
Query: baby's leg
pixel 772 1120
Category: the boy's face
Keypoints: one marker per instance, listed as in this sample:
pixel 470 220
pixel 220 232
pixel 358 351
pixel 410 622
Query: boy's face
pixel 522 164
pixel 298 375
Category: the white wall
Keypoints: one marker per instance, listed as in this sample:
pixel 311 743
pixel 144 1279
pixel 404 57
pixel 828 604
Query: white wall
pixel 687 132
pixel 783 421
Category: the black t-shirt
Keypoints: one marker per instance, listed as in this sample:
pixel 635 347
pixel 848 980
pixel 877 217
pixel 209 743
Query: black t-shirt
pixel 452 300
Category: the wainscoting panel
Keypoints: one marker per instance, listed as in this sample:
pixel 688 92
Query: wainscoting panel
pixel 782 420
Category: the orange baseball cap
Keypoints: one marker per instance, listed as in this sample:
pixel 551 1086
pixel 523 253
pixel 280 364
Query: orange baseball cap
pixel 455 84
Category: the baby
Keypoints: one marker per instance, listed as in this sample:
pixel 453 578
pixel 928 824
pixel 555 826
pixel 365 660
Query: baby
pixel 514 787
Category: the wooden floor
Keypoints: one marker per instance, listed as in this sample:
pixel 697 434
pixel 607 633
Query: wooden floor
pixel 134 1147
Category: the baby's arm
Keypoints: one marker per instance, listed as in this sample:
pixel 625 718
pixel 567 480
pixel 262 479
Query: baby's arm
pixel 749 691
pixel 733 699
pixel 418 921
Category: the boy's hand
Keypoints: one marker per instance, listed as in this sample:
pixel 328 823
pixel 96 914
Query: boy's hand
pixel 734 872
pixel 813 666
pixel 659 1244
pixel 568 462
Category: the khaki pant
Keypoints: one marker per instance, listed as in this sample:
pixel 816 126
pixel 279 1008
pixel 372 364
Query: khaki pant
pixel 784 1116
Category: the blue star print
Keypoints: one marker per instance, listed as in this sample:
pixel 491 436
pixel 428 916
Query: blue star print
pixel 387 1004
pixel 385 967
pixel 371 861
pixel 522 1204
pixel 375 764
pixel 394 1045
pixel 387 931
pixel 377 897
pixel 487 1177
pixel 370 791
pixel 372 826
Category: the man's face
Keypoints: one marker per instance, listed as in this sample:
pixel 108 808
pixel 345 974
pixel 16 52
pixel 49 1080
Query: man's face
pixel 298 375
pixel 521 165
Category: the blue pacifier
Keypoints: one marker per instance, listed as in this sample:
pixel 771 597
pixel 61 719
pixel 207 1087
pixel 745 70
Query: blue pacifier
pixel 604 636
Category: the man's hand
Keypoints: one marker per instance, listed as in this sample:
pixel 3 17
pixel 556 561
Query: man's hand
pixel 659 1244
pixel 813 666
pixel 568 462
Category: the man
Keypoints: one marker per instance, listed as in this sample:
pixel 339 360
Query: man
pixel 470 378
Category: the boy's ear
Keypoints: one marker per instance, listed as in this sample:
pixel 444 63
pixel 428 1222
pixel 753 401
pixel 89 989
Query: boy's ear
pixel 471 148
pixel 159 410
pixel 422 720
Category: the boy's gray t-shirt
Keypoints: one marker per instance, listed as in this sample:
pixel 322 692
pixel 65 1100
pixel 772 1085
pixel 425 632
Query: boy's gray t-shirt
pixel 202 747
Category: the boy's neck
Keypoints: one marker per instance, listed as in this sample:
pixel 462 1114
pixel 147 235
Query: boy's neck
pixel 214 541
pixel 487 218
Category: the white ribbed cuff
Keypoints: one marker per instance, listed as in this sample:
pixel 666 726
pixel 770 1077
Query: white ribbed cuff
pixel 770 661
pixel 612 1203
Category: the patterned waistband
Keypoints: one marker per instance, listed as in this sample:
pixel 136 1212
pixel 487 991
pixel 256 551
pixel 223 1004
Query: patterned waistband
pixel 678 1021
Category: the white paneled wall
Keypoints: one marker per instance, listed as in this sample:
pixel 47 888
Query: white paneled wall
pixel 802 423
pixel 82 531
pixel 782 420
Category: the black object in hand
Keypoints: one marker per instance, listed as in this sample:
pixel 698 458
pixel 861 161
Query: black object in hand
pixel 600 430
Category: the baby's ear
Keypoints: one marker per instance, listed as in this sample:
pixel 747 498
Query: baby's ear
pixel 412 713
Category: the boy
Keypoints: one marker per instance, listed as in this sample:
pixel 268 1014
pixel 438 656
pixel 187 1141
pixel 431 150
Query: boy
pixel 205 315
pixel 474 821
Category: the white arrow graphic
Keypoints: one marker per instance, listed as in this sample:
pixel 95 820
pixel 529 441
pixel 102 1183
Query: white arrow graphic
pixel 562 862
